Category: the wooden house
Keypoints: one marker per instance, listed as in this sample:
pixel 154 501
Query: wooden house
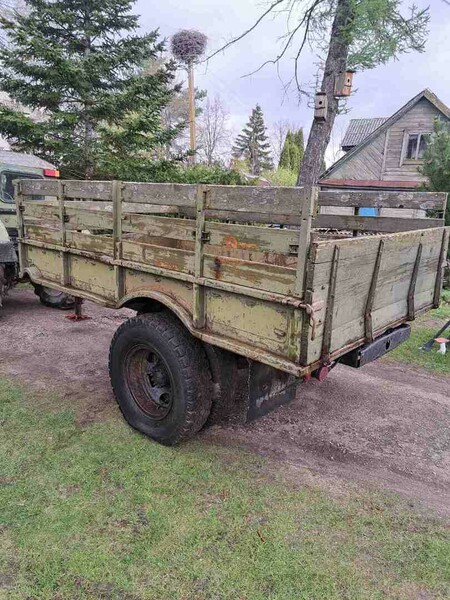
pixel 386 153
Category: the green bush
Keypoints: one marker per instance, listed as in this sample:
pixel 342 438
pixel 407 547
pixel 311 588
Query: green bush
pixel 282 177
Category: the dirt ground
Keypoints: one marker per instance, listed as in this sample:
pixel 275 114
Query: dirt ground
pixel 385 425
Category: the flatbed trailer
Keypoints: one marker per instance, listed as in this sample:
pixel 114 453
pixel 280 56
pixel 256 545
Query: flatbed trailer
pixel 224 277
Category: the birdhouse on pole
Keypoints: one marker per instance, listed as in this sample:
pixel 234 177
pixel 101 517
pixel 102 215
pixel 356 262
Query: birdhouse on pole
pixel 343 84
pixel 321 107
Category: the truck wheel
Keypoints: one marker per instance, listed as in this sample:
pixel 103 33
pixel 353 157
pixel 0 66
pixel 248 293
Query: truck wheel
pixel 160 377
pixel 54 298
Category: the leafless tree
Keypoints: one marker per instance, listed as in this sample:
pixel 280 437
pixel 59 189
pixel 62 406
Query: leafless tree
pixel 214 136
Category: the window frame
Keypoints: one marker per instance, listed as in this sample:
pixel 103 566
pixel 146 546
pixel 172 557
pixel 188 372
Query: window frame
pixel 416 160
pixel 20 175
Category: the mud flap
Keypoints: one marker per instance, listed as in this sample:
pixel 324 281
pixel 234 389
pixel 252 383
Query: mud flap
pixel 268 388
pixel 245 389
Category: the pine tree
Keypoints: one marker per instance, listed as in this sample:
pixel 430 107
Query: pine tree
pixel 253 144
pixel 80 62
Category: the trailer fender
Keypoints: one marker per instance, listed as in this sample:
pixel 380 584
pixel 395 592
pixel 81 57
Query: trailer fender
pixel 153 301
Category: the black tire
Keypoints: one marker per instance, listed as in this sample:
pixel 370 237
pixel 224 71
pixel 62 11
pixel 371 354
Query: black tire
pixel 54 298
pixel 160 377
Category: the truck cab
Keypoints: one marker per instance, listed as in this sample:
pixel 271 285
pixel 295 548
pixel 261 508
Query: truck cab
pixel 15 165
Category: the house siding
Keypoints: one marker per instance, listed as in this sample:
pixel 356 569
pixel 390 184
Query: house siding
pixel 366 164
pixel 419 119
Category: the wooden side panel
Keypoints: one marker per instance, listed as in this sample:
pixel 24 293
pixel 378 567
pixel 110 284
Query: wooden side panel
pixel 354 275
pixel 47 261
pixel 249 321
pixel 138 282
pixel 92 276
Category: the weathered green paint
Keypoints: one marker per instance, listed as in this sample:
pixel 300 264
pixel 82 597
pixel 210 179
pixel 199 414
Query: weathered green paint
pixel 256 290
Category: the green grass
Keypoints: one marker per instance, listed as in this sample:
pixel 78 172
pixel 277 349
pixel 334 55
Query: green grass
pixel 423 330
pixel 104 513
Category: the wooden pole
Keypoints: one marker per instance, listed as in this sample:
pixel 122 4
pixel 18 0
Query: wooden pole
pixel 191 86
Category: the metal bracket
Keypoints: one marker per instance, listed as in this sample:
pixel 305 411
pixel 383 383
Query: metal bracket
pixel 328 325
pixel 412 285
pixel 368 326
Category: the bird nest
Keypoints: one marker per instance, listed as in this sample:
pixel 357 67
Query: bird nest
pixel 188 45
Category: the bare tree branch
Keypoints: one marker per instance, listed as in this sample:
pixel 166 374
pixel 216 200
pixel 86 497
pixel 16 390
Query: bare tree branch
pixel 254 26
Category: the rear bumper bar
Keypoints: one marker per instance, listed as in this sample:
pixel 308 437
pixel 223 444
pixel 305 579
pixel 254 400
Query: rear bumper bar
pixel 373 350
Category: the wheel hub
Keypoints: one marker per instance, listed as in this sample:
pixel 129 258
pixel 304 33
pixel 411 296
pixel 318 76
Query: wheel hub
pixel 149 382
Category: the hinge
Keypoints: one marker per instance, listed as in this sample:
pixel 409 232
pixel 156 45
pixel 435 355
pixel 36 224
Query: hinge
pixel 293 249
pixel 206 236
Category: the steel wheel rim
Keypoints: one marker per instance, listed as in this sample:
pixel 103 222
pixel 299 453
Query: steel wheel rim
pixel 149 381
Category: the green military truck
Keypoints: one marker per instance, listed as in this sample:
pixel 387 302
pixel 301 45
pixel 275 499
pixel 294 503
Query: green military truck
pixel 232 312
pixel 14 165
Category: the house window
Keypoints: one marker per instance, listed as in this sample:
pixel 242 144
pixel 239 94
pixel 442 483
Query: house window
pixel 416 144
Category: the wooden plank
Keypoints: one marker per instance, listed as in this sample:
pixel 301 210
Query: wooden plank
pixel 375 224
pixel 79 218
pixel 39 187
pixel 262 276
pixel 242 216
pixel 47 210
pixel 171 259
pixel 260 200
pixel 423 200
pixel 95 190
pixel 161 193
pixel 45 234
pixel 99 245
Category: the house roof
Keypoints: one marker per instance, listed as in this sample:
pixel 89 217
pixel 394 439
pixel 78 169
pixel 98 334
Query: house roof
pixel 358 130
pixel 428 94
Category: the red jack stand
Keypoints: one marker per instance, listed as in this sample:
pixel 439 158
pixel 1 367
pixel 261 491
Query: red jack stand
pixel 78 314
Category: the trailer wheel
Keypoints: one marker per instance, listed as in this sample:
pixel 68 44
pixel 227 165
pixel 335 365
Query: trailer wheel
pixel 54 298
pixel 160 377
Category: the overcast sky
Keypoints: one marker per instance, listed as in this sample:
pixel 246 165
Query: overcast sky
pixel 379 92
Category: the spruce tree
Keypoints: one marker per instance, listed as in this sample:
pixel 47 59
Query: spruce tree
pixel 80 63
pixel 253 144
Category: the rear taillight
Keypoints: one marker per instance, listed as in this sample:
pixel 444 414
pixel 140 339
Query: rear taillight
pixel 51 173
